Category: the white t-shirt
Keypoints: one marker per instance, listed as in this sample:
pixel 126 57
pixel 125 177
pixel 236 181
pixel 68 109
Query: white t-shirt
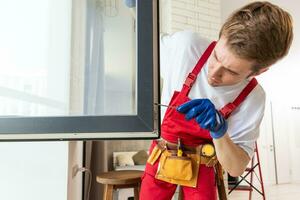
pixel 179 54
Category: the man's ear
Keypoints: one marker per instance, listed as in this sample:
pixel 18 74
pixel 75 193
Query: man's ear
pixel 262 70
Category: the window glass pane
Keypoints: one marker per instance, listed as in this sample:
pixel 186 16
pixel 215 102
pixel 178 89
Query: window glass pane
pixel 110 76
pixel 35 57
pixel 39 53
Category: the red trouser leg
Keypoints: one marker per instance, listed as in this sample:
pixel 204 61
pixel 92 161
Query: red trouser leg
pixel 154 189
pixel 206 187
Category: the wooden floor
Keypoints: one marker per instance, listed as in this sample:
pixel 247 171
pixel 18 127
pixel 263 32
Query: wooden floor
pixel 273 192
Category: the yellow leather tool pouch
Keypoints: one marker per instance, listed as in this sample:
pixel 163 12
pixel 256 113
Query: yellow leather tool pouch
pixel 181 170
pixel 155 154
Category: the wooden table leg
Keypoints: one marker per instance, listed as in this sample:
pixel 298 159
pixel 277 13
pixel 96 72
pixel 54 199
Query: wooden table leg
pixel 136 192
pixel 108 192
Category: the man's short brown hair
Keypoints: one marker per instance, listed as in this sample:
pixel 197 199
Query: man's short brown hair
pixel 260 32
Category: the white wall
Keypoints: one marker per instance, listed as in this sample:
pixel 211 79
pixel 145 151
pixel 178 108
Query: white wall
pixel 33 170
pixel 202 16
pixel 228 6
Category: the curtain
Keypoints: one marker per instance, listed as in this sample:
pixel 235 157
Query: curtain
pixel 94 89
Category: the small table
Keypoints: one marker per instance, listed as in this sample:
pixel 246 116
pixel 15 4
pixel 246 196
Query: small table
pixel 120 179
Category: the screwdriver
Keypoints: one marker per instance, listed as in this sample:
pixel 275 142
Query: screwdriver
pixel 174 107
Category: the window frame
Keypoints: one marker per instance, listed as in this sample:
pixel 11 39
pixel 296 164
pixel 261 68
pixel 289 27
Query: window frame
pixel 144 125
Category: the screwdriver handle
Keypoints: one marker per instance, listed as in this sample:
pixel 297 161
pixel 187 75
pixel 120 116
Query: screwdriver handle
pixel 179 148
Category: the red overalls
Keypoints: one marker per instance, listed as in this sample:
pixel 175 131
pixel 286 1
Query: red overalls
pixel 175 126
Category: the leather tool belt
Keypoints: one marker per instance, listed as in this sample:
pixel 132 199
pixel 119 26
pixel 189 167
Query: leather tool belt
pixel 183 169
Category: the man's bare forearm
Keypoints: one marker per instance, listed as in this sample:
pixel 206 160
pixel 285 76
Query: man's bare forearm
pixel 233 159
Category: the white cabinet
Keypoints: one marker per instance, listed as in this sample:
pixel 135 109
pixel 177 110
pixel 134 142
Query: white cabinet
pixel 287 140
pixel 266 148
pixel 279 138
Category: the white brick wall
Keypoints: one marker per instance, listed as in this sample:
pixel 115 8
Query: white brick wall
pixel 203 16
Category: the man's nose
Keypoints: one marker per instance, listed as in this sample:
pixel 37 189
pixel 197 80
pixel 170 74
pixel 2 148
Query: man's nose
pixel 217 70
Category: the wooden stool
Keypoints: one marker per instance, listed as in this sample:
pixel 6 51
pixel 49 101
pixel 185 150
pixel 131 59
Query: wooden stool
pixel 120 179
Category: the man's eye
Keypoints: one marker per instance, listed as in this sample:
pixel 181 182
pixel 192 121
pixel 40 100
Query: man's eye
pixel 233 73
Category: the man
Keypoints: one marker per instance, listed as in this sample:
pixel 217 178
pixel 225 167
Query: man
pixel 215 103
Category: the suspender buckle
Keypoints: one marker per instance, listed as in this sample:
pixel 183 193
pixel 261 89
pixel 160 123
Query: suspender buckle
pixel 227 110
pixel 190 80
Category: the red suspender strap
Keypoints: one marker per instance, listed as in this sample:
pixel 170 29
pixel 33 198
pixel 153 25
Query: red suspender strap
pixel 229 108
pixel 190 80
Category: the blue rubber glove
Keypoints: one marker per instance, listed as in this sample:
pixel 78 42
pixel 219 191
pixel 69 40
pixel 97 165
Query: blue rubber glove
pixel 206 115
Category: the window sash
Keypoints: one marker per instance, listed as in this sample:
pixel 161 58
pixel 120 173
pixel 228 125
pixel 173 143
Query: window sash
pixel 145 124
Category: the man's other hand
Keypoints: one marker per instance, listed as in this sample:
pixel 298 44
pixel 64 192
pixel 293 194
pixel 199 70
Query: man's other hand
pixel 206 115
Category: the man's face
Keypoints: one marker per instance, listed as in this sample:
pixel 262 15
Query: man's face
pixel 224 68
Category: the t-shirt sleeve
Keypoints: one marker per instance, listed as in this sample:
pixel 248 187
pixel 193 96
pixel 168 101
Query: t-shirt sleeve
pixel 178 46
pixel 166 43
pixel 243 125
